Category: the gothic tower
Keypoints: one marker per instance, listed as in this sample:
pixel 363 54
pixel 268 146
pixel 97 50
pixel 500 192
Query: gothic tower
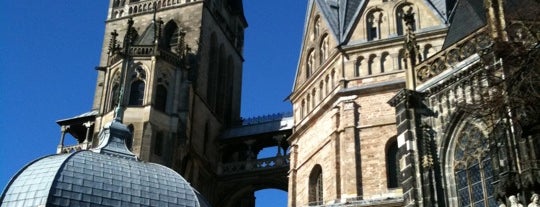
pixel 180 63
pixel 352 61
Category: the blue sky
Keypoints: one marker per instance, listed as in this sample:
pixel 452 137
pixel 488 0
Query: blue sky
pixel 50 48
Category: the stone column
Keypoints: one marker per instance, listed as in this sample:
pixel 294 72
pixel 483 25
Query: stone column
pixel 63 128
pixel 86 144
pixel 408 148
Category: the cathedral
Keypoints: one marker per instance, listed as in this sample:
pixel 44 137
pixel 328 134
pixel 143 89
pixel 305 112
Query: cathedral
pixel 394 103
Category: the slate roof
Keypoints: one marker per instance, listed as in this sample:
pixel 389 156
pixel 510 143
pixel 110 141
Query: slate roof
pixel 109 175
pixel 340 15
pixel 468 17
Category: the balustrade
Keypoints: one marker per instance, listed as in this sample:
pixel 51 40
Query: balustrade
pixel 255 165
pixel 144 7
pixel 74 148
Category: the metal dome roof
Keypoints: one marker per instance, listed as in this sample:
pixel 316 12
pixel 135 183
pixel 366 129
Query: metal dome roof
pixel 109 175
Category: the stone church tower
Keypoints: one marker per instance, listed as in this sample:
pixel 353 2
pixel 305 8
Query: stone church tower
pixel 180 62
pixel 352 61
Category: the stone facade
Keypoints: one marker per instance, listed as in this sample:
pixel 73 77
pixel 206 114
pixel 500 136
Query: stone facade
pixel 348 70
pixel 179 66
pixel 461 140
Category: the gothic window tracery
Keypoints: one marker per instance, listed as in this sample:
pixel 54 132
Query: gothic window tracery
pixel 473 171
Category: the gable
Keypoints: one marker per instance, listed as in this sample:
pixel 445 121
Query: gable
pixel 319 35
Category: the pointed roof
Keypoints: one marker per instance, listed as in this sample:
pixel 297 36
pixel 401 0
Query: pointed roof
pixel 341 15
pixel 148 37
pixel 468 17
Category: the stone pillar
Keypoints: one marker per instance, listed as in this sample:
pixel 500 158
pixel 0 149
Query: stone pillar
pixel 63 128
pixel 408 147
pixel 86 143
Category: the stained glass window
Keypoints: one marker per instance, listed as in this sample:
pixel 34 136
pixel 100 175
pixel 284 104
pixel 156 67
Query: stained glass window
pixel 473 170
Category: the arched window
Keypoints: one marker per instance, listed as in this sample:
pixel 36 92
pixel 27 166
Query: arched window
pixel 323 49
pixel 310 64
pixel 373 24
pixel 321 89
pixel 161 97
pixel 115 95
pixel 136 93
pixel 402 64
pixel 171 36
pixel 386 62
pixel 316 186
pixel 373 63
pixel 316 27
pixel 427 51
pixel 392 169
pixel 358 66
pixel 473 170
pixel 400 12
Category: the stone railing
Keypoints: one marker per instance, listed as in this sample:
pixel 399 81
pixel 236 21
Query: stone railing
pixel 254 165
pixel 358 201
pixel 147 6
pixel 147 51
pixel 73 148
pixel 449 57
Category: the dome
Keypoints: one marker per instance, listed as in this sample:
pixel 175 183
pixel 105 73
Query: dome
pixel 109 175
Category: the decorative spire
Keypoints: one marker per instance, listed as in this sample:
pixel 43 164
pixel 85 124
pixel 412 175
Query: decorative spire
pixel 119 112
pixel 113 44
pixel 157 25
pixel 412 54
pixel 112 141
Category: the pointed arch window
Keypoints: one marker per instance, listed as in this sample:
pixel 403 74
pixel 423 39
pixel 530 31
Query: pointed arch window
pixel 316 186
pixel 473 170
pixel 136 90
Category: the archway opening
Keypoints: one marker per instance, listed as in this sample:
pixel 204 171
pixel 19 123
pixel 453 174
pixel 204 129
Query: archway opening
pixel 270 198
pixel 268 152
